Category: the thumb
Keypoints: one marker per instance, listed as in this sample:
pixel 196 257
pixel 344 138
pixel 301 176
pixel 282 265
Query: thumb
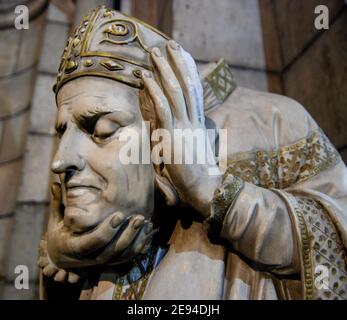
pixel 167 188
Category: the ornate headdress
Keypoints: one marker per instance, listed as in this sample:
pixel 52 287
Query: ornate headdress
pixel 109 44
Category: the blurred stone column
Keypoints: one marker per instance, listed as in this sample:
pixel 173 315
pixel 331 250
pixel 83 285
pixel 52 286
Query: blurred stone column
pixel 19 51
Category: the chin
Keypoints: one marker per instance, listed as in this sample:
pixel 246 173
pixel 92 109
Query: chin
pixel 80 219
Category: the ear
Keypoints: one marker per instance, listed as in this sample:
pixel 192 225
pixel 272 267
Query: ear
pixel 165 186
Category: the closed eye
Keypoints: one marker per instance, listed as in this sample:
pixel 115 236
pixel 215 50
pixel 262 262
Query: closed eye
pixel 105 128
pixel 87 122
pixel 60 129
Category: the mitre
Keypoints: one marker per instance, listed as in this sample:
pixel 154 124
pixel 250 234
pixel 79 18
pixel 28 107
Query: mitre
pixel 111 45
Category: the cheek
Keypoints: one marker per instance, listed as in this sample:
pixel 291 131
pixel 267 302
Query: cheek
pixel 139 176
pixel 141 186
pixel 105 161
pixel 127 184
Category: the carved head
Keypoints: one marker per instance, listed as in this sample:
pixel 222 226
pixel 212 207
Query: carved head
pixel 97 95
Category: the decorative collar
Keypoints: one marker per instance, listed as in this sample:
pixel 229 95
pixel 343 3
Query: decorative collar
pixel 218 85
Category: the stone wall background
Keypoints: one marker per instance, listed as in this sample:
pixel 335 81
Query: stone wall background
pixel 271 45
pixel 21 228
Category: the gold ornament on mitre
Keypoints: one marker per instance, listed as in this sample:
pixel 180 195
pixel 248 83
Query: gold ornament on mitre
pixel 111 45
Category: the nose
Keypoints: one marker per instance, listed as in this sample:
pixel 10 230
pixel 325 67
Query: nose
pixel 61 165
pixel 68 156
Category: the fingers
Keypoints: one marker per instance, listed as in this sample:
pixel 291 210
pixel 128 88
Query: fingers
pixel 98 238
pixel 60 276
pixel 49 270
pixel 73 278
pixel 162 108
pixel 171 85
pixel 43 261
pixel 129 234
pixel 188 78
pixel 197 84
pixel 181 85
pixel 57 205
pixel 147 107
pixel 124 241
pixel 141 242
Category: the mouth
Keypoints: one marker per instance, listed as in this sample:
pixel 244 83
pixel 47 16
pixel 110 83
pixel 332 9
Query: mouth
pixel 73 185
pixel 81 194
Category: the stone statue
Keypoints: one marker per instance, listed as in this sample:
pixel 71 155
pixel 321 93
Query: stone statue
pixel 271 223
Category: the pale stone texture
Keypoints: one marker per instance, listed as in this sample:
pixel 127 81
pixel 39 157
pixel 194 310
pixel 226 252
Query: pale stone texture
pixel 19 51
pixel 231 29
pixel 257 80
pixel 1 130
pixel 53 46
pixel 288 28
pixel 295 24
pixel 27 229
pixel 11 293
pixel 30 43
pixel 319 81
pixel 8 50
pixel 251 79
pixel 6 5
pixel 5 231
pixel 19 48
pixel 56 15
pixel 36 168
pixel 13 136
pixel 10 174
pixel 16 92
pixel 43 107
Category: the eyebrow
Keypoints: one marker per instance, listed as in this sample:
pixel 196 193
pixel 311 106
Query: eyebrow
pixel 90 113
pixel 88 118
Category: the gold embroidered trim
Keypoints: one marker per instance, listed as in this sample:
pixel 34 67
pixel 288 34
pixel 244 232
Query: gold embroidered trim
pixel 326 250
pixel 126 288
pixel 218 85
pixel 304 245
pixel 324 272
pixel 222 199
pixel 289 165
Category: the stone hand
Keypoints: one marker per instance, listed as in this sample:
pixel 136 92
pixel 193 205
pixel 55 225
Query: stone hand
pixel 173 92
pixel 115 240
pixel 50 270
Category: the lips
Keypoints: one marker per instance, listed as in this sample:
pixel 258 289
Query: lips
pixel 79 194
pixel 79 197
pixel 80 184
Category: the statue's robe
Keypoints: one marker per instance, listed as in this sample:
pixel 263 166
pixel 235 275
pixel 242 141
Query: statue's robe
pixel 286 232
